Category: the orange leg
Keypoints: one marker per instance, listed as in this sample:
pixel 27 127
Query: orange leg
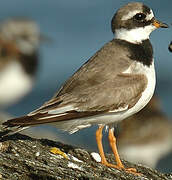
pixel 112 141
pixel 100 147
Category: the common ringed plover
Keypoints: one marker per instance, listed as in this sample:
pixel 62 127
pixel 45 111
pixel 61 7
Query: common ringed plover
pixel 115 83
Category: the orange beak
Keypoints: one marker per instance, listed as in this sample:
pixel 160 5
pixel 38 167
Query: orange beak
pixel 159 24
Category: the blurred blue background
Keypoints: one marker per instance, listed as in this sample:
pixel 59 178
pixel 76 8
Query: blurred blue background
pixel 78 29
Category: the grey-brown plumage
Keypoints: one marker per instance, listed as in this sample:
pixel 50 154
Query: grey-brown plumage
pixel 130 23
pixel 115 83
pixel 103 70
pixel 109 84
pixel 102 78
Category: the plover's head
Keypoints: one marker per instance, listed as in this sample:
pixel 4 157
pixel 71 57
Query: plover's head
pixel 170 47
pixel 134 22
pixel 24 33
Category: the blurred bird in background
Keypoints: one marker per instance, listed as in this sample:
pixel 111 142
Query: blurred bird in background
pixel 146 136
pixel 19 42
pixel 170 47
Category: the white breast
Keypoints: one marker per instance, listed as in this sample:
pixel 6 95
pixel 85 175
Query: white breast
pixel 14 83
pixel 137 68
pixel 149 91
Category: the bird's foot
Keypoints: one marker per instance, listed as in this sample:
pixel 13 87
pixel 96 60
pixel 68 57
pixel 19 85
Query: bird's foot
pixel 121 167
pixel 133 171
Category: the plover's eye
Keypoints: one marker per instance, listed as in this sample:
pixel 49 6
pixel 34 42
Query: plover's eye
pixel 140 16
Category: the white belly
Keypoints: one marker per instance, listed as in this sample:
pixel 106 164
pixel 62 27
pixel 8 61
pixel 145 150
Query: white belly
pixel 14 83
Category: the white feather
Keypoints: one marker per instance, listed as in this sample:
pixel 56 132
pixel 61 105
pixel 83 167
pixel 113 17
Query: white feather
pixel 61 110
pixel 14 83
pixel 130 15
pixel 96 156
pixel 150 16
pixel 120 109
pixel 52 116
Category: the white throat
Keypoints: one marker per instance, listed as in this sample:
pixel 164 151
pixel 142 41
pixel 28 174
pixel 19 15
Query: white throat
pixel 136 35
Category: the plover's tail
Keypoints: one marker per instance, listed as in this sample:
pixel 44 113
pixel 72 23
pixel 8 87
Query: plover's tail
pixel 13 126
pixel 61 119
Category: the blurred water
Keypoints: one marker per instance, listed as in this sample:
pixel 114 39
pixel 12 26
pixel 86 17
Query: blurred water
pixel 78 29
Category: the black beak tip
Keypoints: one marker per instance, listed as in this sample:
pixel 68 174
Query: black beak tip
pixel 164 25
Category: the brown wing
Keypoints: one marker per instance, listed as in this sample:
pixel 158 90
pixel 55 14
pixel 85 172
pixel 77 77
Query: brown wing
pixel 104 66
pixel 123 92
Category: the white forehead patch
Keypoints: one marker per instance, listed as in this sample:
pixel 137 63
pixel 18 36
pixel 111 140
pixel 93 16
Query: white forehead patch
pixel 150 16
pixel 130 15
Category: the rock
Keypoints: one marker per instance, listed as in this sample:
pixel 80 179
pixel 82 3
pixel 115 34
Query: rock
pixel 25 158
